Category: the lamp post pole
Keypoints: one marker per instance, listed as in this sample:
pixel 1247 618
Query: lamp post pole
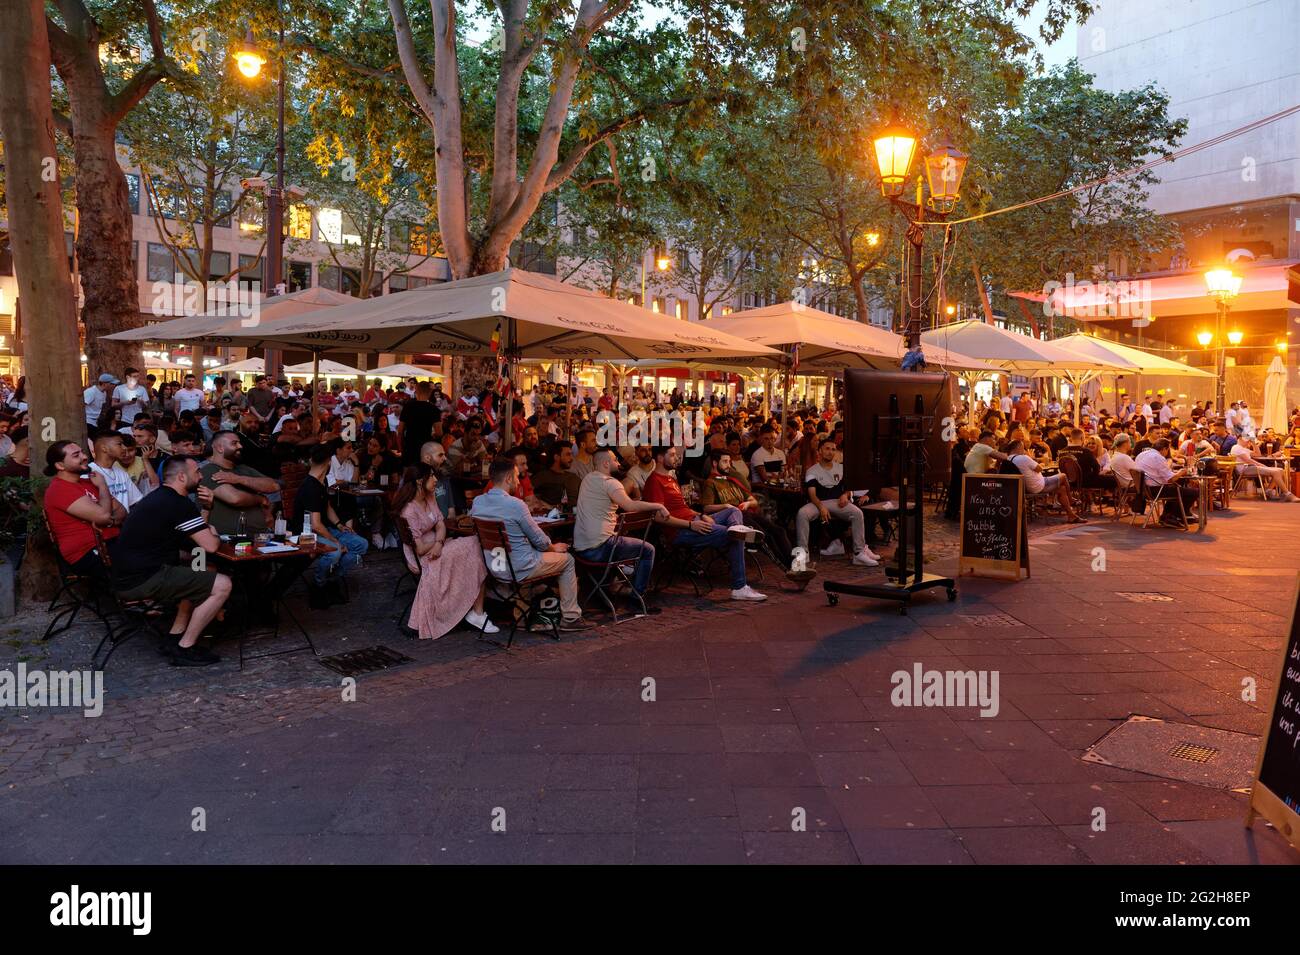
pixel 1221 362
pixel 275 206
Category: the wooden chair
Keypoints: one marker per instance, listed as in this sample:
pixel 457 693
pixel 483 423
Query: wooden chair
pixel 1225 469
pixel 291 477
pixel 495 543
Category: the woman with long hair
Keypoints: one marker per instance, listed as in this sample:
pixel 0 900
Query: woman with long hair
pixel 451 573
pixel 382 427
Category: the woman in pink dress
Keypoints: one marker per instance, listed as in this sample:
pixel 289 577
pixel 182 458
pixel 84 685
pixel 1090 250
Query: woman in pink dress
pixel 451 573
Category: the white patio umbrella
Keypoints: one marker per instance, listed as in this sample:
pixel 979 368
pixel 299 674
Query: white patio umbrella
pixel 1139 362
pixel 248 366
pixel 827 343
pixel 514 313
pixel 326 367
pixel 1275 404
pixel 202 328
pixel 402 370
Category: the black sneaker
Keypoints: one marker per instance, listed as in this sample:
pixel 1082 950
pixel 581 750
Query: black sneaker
pixel 195 656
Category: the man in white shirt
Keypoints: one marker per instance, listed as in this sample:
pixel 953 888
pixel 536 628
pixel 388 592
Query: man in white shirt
pixel 1244 420
pixel 1054 408
pixel 189 398
pixel 1121 464
pixel 131 396
pixel 979 459
pixel 1146 411
pixel 109 452
pixel 349 394
pixel 1005 404
pixel 637 472
pixel 768 460
pixel 827 498
pixel 1038 483
pixel 1247 466
pixel 95 396
pixel 1160 478
pixel 1230 419
pixel 1168 411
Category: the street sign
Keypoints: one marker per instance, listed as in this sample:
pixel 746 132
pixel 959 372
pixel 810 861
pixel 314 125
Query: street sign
pixel 1276 793
pixel 994 538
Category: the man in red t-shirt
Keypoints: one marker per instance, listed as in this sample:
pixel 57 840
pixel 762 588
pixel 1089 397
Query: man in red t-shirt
pixel 724 529
pixel 76 502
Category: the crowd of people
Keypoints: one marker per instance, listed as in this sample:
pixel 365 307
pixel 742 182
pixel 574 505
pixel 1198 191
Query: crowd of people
pixel 1155 437
pixel 168 471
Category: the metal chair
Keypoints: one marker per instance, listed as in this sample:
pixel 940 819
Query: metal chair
pixel 495 543
pixel 1154 501
pixel 602 574
pixel 136 615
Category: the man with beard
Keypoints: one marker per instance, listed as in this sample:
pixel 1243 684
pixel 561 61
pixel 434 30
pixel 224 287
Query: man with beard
pixel 77 502
pixel 634 481
pixel 162 526
pixel 256 453
pixel 435 456
pixel 237 489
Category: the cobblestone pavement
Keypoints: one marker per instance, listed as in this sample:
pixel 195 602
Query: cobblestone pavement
pixel 762 714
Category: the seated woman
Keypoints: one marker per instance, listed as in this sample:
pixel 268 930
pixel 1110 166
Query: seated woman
pixel 451 573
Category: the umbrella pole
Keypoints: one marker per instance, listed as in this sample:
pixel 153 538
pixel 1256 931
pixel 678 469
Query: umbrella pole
pixel 315 386
pixel 785 404
pixel 508 431
pixel 568 403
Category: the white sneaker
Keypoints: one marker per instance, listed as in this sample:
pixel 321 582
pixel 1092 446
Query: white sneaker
pixel 376 542
pixel 744 533
pixel 866 558
pixel 747 593
pixel 480 621
pixel 391 542
pixel 835 549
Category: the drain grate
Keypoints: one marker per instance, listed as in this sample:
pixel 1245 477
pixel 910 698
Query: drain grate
pixel 1145 597
pixel 357 662
pixel 1217 758
pixel 990 619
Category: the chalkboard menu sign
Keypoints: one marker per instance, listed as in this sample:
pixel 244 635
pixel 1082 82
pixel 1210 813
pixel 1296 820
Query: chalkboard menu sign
pixel 994 540
pixel 1276 794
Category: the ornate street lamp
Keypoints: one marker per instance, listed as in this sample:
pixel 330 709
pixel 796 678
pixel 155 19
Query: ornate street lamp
pixel 249 57
pixel 1224 285
pixel 944 168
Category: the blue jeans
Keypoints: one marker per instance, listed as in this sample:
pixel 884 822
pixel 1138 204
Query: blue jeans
pixel 718 538
pixel 341 559
pixel 626 548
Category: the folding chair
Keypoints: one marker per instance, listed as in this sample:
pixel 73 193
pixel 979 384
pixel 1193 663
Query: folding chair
pixel 1154 501
pixel 410 570
pixel 674 560
pixel 75 592
pixel 495 544
pixel 603 574
pixel 136 615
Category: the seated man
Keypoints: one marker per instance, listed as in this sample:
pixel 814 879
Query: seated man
pixel 557 484
pixel 980 457
pixel 237 489
pixel 823 483
pixel 600 496
pixel 326 586
pixel 109 455
pixel 1037 483
pixel 768 461
pixel 727 486
pixel 639 469
pixel 1247 466
pixel 1160 478
pixel 723 529
pixel 1121 463
pixel 76 502
pixel 1089 465
pixel 532 554
pixel 152 560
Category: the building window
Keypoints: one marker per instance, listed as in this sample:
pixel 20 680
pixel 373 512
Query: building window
pixel 337 227
pixel 299 276
pixel 133 192
pixel 299 221
pixel 250 267
pixel 159 266
pixel 218 266
pixel 252 216
pixel 659 304
pixel 727 310
pixel 329 277
pixel 683 309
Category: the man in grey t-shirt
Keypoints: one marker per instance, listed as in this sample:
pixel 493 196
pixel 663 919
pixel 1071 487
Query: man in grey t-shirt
pixel 599 498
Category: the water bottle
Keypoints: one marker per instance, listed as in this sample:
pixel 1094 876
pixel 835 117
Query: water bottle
pixel 564 500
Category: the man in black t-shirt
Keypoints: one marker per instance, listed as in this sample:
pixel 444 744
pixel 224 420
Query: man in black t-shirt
pixel 326 584
pixel 160 526
pixel 415 426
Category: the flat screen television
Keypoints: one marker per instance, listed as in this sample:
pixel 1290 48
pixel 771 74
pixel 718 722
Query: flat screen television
pixel 872 451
